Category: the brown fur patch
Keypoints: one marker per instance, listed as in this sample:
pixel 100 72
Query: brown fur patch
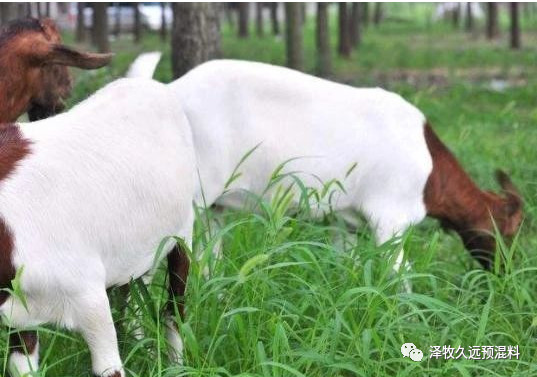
pixel 452 197
pixel 23 342
pixel 13 148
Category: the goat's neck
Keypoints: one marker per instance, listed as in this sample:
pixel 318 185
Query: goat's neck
pixel 15 93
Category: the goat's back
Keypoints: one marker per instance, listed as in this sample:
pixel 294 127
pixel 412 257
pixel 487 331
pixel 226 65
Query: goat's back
pixel 324 127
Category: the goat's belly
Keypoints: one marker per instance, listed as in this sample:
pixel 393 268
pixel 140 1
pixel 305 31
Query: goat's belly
pixel 122 268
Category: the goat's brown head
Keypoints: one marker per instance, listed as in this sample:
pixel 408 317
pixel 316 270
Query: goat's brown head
pixel 505 215
pixel 33 69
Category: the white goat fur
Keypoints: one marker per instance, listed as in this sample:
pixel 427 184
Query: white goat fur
pixel 103 185
pixel 232 106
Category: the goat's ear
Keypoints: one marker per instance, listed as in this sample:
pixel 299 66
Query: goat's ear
pixel 64 55
pixel 514 199
pixel 50 29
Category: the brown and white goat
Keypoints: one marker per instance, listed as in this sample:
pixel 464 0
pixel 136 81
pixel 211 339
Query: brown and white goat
pixel 402 173
pixel 86 198
pixel 34 77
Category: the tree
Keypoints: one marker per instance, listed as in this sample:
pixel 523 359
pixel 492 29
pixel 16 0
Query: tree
pixel 274 18
pixel 365 14
pixel 228 12
pixel 456 15
pixel 244 11
pixel 117 20
pixel 7 12
pixel 80 27
pixel 100 27
pixel 324 63
pixel 294 37
pixel 515 25
pixel 355 24
pixel 493 28
pixel 469 26
pixel 195 35
pixel 137 23
pixel 344 46
pixel 377 16
pixel 163 25
pixel 259 19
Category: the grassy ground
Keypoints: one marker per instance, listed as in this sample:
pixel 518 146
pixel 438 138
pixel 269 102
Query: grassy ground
pixel 295 297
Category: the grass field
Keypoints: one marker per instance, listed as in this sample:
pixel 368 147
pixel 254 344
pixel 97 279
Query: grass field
pixel 297 297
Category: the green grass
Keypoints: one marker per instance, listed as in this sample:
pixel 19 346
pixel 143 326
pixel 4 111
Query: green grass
pixel 298 297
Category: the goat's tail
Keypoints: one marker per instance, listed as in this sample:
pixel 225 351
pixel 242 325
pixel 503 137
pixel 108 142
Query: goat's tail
pixel 144 65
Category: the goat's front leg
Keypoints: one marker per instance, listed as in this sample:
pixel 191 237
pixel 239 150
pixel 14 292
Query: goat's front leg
pixel 23 353
pixel 94 321
pixel 385 232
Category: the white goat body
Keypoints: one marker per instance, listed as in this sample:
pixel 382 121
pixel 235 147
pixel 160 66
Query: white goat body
pixel 321 128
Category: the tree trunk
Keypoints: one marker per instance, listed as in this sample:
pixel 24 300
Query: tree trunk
pixel 195 35
pixel 324 63
pixel 47 9
pixel 365 14
pixel 355 24
pixel 21 10
pixel 117 20
pixel 228 11
pixel 456 15
pixel 377 17
pixel 493 28
pixel 344 47
pixel 274 18
pixel 259 19
pixel 80 27
pixel 515 26
pixel 469 18
pixel 100 27
pixel 7 12
pixel 137 23
pixel 163 25
pixel 244 10
pixel 294 37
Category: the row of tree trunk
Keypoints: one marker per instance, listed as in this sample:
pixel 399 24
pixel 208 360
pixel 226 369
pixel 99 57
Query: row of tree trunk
pixel 10 11
pixel 492 21
pixel 493 24
pixel 100 24
pixel 351 18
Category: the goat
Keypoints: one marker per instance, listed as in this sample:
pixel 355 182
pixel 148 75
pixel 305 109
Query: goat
pixel 85 199
pixel 33 69
pixel 402 173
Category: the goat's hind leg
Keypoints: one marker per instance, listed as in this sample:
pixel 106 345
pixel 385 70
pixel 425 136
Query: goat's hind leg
pixel 23 353
pixel 178 266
